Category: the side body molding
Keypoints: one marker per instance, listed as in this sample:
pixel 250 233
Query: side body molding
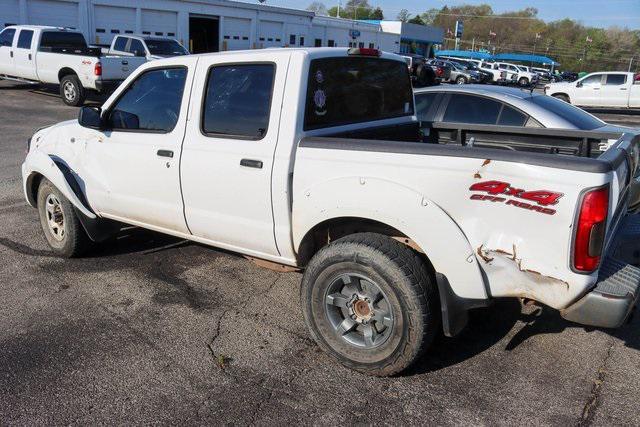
pixel 400 207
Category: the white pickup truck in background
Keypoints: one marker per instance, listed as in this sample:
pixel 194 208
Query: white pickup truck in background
pixel 606 89
pixel 149 47
pixel 313 159
pixel 51 55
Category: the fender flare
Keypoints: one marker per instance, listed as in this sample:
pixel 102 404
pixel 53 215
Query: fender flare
pixel 60 175
pixel 404 209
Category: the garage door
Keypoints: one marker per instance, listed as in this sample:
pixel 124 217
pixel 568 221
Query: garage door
pixel 159 22
pixel 9 14
pixel 236 33
pixel 270 33
pixel 52 12
pixel 112 20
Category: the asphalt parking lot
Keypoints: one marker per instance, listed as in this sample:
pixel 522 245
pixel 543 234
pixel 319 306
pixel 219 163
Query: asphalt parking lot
pixel 150 329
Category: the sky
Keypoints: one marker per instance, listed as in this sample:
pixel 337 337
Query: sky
pixel 596 13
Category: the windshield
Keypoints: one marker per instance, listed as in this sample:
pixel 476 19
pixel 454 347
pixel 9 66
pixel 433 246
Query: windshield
pixel 574 115
pixel 165 47
pixel 343 91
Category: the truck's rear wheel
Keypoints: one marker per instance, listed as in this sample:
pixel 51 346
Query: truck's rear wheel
pixel 71 91
pixel 523 81
pixel 369 301
pixel 62 229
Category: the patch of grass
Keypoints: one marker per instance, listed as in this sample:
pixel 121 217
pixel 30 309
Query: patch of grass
pixel 220 359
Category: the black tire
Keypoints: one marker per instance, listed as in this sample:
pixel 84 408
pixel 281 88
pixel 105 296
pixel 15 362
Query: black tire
pixel 71 91
pixel 408 293
pixel 562 97
pixel 523 81
pixel 73 240
pixel 461 80
pixel 425 76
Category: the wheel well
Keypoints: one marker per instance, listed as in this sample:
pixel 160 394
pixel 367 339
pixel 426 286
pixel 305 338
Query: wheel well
pixel 33 183
pixel 327 231
pixel 65 72
pixel 561 95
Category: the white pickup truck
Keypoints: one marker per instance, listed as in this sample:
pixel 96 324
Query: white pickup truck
pixel 149 47
pixel 51 55
pixel 312 159
pixel 608 89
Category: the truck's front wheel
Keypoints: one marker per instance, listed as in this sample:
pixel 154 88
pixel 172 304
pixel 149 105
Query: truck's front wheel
pixel 369 301
pixel 62 229
pixel 71 91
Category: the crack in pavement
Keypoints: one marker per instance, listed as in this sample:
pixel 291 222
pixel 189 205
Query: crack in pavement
pixel 589 409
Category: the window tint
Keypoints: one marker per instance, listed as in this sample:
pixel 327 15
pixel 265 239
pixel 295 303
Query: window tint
pixel 24 39
pixel 151 102
pixel 574 115
pixel 62 39
pixel 593 80
pixel 136 46
pixel 238 100
pixel 120 44
pixel 511 117
pixel 472 109
pixel 164 47
pixel 424 101
pixel 6 37
pixel 355 89
pixel 615 79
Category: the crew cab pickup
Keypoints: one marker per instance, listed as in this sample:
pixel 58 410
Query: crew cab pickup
pixel 313 159
pixel 149 47
pixel 609 90
pixel 51 55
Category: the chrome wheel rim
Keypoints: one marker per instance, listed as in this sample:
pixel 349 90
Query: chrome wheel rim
pixel 55 217
pixel 358 311
pixel 69 91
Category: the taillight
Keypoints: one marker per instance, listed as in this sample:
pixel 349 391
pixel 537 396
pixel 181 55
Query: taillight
pixel 97 69
pixel 364 51
pixel 439 71
pixel 590 229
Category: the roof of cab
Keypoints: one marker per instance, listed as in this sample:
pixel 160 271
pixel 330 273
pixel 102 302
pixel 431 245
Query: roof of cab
pixel 311 51
pixel 490 90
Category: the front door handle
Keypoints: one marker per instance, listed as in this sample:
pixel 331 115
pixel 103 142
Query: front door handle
pixel 11 54
pixel 249 163
pixel 165 153
pixel 125 62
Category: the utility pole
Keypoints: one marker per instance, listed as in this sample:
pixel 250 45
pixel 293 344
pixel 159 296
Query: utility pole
pixel 630 62
pixel 338 14
pixel 473 44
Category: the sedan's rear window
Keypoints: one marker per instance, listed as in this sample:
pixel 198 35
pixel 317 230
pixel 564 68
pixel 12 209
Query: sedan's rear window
pixel 574 115
pixel 356 89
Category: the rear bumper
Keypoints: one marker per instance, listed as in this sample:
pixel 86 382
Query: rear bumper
pixel 107 86
pixel 610 302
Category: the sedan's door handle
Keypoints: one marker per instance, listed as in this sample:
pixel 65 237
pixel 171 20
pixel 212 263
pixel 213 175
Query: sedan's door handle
pixel 165 153
pixel 249 163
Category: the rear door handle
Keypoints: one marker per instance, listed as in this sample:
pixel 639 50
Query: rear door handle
pixel 29 57
pixel 11 54
pixel 165 153
pixel 125 62
pixel 249 163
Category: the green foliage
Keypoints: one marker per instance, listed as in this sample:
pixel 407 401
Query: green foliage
pixel 564 40
pixel 356 9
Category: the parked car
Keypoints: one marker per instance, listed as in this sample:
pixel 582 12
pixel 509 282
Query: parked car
pixel 484 76
pixel 504 106
pixel 606 89
pixel 150 47
pixel 498 76
pixel 39 54
pixel 441 68
pixel 458 74
pixel 398 239
pixel 518 74
pixel 569 76
pixel 544 75
pixel 421 73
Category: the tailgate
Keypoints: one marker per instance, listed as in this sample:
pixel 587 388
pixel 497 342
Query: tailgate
pixel 119 67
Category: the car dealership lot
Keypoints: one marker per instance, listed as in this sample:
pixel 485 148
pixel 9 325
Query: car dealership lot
pixel 151 328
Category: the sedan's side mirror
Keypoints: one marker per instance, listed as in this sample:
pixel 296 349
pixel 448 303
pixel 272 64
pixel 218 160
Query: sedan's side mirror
pixel 90 117
pixel 578 84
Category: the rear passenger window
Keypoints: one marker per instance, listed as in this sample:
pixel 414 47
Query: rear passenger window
pixel 6 37
pixel 136 47
pixel 151 102
pixel 472 109
pixel 511 117
pixel 615 79
pixel 24 39
pixel 121 43
pixel 238 100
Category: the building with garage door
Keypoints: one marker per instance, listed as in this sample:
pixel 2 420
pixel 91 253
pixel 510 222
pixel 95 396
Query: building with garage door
pixel 203 25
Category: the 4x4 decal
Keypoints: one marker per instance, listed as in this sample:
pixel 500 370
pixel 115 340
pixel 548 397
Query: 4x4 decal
pixel 503 192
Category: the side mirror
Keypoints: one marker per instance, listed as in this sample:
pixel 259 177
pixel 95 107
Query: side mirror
pixel 90 117
pixel 578 84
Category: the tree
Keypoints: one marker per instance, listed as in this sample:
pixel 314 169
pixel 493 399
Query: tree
pixel 318 8
pixel 416 20
pixel 377 14
pixel 403 16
